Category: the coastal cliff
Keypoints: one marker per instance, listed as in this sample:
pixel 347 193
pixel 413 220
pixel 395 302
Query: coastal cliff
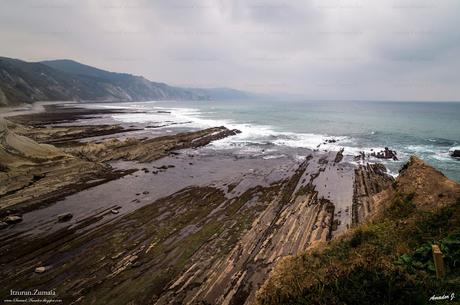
pixel 386 259
pixel 65 80
pixel 68 80
pixel 136 214
pixel 160 220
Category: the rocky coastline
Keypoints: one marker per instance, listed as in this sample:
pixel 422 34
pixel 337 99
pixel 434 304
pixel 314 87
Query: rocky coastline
pixel 110 213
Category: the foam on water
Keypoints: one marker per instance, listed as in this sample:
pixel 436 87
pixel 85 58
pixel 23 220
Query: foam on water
pixel 440 153
pixel 442 156
pixel 364 128
pixel 253 137
pixel 452 149
pixel 255 134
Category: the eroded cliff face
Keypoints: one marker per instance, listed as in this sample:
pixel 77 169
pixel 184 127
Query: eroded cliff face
pixel 386 258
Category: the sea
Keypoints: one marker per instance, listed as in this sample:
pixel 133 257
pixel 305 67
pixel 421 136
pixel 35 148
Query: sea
pixel 426 129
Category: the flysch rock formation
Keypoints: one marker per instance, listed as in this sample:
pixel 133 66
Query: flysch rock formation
pixel 370 179
pixel 203 244
pixel 386 258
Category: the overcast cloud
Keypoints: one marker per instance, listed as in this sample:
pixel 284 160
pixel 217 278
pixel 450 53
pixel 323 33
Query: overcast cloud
pixel 322 49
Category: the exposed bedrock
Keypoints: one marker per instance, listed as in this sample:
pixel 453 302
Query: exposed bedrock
pixel 292 220
pixel 34 174
pixel 386 260
pixel 146 150
pixel 385 154
pixel 212 242
pixel 196 245
pixel 370 179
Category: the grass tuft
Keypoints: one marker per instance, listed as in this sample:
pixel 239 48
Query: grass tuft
pixel 385 262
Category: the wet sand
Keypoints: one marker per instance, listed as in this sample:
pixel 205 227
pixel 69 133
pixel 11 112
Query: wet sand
pixel 192 225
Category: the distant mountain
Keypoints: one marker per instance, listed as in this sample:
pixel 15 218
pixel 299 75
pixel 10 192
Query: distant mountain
pixel 73 67
pixel 222 93
pixel 63 80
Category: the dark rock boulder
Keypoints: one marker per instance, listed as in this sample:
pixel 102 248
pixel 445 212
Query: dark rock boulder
pixel 360 157
pixel 219 133
pixel 455 153
pixel 65 217
pixel 339 156
pixel 385 154
pixel 12 219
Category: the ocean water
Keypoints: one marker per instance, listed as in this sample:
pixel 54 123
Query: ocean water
pixel 426 129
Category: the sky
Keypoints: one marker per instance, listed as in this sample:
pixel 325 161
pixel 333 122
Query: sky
pixel 317 49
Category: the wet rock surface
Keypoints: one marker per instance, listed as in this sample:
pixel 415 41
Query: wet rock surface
pixel 36 174
pixel 182 242
pixel 385 154
pixel 370 179
pixel 339 156
pixel 420 206
pixel 12 219
pixel 177 223
pixel 147 150
pixel 65 217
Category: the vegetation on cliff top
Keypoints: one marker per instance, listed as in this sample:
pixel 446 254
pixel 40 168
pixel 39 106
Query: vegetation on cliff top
pixel 385 261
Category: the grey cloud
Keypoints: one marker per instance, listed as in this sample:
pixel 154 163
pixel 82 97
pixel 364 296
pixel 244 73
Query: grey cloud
pixel 350 49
